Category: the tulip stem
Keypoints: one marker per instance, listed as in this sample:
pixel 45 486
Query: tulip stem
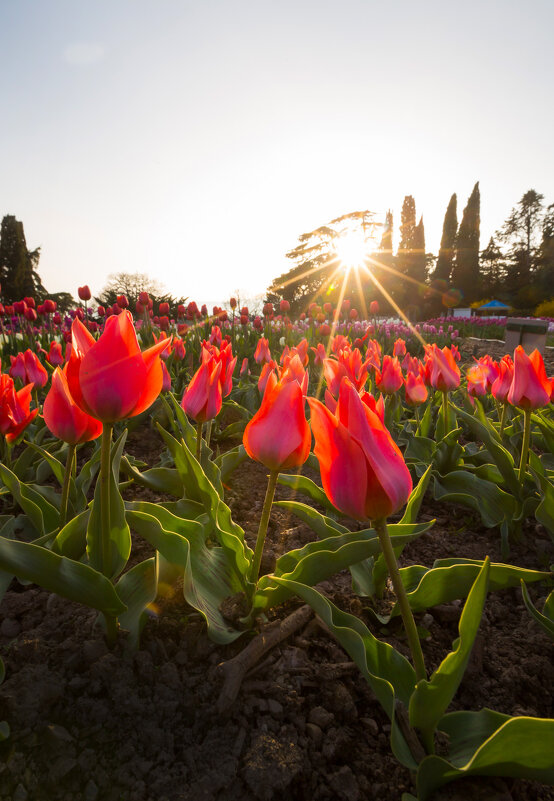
pixel 525 445
pixel 198 440
pixel 105 470
pixel 262 529
pixel 503 419
pixel 400 591
pixel 445 414
pixel 66 482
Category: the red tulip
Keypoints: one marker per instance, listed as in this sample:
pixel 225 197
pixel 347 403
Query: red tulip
pixel 244 368
pixel 374 308
pixel 49 306
pixel 84 292
pixel 202 398
pixel 15 414
pixel 530 388
pixel 233 303
pixel 164 308
pixel 262 352
pixel 444 373
pixel 111 379
pixel 362 470
pixel 399 348
pixel 477 381
pixel 64 418
pixel 416 391
pixel 122 301
pixel 501 386
pixel 55 355
pixel 179 349
pixel 389 379
pixel 278 435
pixel 284 306
pixel 30 302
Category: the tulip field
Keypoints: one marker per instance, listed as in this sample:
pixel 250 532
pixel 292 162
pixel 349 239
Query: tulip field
pixel 255 557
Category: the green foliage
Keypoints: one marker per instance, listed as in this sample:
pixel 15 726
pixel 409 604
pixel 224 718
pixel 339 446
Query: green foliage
pixel 18 274
pixel 465 272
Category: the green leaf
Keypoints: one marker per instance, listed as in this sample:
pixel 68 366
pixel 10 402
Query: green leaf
pixel 229 461
pixel 66 577
pixel 319 560
pixel 387 672
pixel 420 449
pixel 308 487
pixel 450 579
pixel 546 620
pixel 58 469
pixel 520 748
pixel 84 479
pixel 426 421
pixel 208 573
pixel 120 534
pixel 545 510
pixel 137 589
pixel 199 488
pixel 159 479
pixel 483 431
pixel 416 498
pixel 322 525
pixel 41 513
pixel 460 486
pixel 71 541
pixel 431 698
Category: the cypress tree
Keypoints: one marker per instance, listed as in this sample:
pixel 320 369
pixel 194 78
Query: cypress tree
pixel 465 272
pixel 443 270
pixel 407 233
pixel 418 263
pixel 17 264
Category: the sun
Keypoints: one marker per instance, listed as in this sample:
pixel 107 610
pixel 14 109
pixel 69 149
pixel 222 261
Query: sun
pixel 352 249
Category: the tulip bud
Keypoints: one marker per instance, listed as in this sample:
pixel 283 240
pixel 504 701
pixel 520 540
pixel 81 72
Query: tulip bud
pixel 122 301
pixel 144 298
pixel 84 293
pixel 164 309
pixel 362 470
pixel 278 435
pixel 233 303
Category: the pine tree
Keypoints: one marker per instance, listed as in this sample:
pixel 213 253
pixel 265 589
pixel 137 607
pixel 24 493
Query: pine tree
pixel 443 270
pixel 465 272
pixel 18 273
pixel 493 270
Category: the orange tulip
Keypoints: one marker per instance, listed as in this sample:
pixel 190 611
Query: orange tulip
pixel 64 418
pixel 389 379
pixel 416 391
pixel 278 435
pixel 362 470
pixel 530 388
pixel 15 414
pixel 202 398
pixel 111 379
pixel 444 373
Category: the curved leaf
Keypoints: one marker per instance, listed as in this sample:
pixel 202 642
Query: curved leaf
pixel 545 620
pixel 493 504
pixel 208 573
pixel 319 560
pixel 307 487
pixel 431 698
pixel 137 588
pixel 322 525
pixel 66 577
pixel 520 747
pixel 42 514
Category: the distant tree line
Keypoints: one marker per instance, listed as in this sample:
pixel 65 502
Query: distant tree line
pixel 516 266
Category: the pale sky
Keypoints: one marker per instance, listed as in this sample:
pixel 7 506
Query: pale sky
pixel 195 141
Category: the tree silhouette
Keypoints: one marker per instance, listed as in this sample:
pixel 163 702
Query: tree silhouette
pixel 315 274
pixel 465 272
pixel 18 273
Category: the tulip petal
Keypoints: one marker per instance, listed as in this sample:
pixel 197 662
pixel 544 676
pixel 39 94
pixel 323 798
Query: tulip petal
pixel 342 462
pixel 278 435
pixel 113 372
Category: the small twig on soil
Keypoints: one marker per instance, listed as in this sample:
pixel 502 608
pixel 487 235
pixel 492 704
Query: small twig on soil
pixel 234 670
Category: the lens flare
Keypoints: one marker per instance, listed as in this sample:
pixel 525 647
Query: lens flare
pixel 352 249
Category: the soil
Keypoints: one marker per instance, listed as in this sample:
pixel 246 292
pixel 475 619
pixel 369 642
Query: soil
pixel 90 724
